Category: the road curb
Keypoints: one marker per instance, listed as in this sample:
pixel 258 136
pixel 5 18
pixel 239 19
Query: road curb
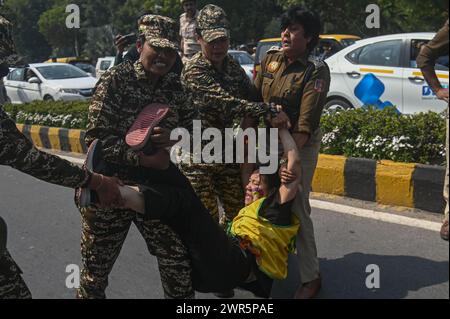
pixel 61 139
pixel 384 182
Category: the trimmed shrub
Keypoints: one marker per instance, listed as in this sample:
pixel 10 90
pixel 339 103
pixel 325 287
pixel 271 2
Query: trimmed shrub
pixel 56 113
pixel 384 134
pixel 371 133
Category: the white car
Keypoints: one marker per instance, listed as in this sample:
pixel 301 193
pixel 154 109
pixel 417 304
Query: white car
pixel 245 60
pixel 49 82
pixel 104 64
pixel 383 71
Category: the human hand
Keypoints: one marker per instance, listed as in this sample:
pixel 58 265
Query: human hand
pixel 281 121
pixel 121 43
pixel 287 176
pixel 107 189
pixel 442 94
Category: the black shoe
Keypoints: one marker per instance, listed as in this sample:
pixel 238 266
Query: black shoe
pixel 225 294
pixel 3 236
pixel 94 163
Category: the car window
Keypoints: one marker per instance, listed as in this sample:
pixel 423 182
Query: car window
pixel 60 72
pixel 242 58
pixel 263 47
pixel 16 75
pixel 104 65
pixel 348 42
pixel 326 48
pixel 86 67
pixel 29 74
pixel 416 45
pixel 386 53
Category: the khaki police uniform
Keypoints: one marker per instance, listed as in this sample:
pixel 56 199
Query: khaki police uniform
pixel 188 34
pixel 301 88
pixel 427 57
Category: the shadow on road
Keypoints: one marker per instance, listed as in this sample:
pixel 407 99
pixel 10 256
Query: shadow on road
pixel 346 277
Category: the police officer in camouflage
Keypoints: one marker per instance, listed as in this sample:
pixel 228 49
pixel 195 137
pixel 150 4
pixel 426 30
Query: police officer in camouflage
pixel 18 152
pixel 221 91
pixel 426 60
pixel 120 95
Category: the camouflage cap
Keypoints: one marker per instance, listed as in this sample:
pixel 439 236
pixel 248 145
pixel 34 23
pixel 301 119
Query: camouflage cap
pixel 159 31
pixel 213 23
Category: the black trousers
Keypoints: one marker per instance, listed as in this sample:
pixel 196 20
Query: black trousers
pixel 219 264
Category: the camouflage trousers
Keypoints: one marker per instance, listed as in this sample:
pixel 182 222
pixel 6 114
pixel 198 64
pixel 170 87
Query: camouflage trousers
pixel 12 285
pixel 103 234
pixel 217 181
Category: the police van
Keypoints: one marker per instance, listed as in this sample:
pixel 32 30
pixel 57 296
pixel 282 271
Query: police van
pixel 382 71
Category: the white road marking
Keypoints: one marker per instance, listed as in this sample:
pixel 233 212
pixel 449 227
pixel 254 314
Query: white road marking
pixel 380 216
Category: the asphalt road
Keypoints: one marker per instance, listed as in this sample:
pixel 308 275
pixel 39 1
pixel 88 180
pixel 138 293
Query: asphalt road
pixel 44 236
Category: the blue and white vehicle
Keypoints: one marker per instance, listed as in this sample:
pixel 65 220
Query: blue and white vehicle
pixel 382 71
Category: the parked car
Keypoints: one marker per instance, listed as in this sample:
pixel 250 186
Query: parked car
pixel 382 71
pixel 328 45
pixel 48 82
pixel 245 60
pixel 104 64
pixel 80 62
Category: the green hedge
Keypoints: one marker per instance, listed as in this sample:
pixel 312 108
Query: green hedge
pixel 375 134
pixel 56 114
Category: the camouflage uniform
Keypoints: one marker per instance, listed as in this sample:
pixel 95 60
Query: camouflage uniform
pixel 120 95
pixel 8 54
pixel 18 152
pixel 220 98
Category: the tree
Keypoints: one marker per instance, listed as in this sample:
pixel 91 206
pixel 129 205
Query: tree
pixel 25 14
pixel 52 24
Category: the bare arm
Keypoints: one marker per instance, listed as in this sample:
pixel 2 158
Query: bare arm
pixel 287 192
pixel 247 168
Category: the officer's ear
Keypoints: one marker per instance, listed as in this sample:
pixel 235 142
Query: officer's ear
pixel 139 45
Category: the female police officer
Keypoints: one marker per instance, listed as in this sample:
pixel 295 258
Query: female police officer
pixel 300 85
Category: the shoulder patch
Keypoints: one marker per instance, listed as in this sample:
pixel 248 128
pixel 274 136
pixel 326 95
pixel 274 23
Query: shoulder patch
pixel 273 66
pixel 319 86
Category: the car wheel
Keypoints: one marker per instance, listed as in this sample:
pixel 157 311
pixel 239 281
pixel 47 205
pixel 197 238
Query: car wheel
pixel 336 105
pixel 48 98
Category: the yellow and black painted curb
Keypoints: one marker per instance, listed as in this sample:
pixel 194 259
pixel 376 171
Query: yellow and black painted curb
pixel 384 182
pixel 61 139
